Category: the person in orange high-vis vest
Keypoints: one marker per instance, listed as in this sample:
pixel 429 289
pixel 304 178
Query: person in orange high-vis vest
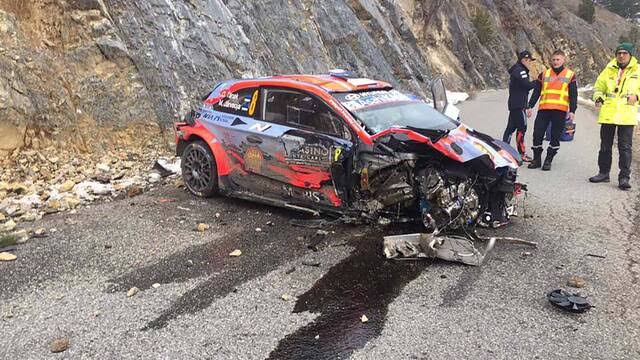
pixel 557 90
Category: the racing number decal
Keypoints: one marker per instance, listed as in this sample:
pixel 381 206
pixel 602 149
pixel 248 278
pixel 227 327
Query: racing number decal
pixel 254 100
pixel 336 153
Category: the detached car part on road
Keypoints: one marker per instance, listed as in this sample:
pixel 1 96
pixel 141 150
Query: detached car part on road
pixel 353 147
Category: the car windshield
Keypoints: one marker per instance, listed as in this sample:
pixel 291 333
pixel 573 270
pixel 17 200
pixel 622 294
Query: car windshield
pixel 382 109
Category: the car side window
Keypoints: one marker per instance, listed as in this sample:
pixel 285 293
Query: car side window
pixel 303 111
pixel 242 102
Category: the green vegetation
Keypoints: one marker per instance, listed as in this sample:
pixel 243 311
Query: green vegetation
pixel 485 29
pixel 587 11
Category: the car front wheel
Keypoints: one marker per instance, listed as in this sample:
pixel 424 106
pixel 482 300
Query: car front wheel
pixel 199 170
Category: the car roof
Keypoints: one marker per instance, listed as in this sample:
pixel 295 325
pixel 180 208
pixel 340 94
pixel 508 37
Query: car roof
pixel 332 83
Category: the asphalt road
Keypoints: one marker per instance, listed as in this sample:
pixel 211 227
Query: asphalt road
pixel 196 302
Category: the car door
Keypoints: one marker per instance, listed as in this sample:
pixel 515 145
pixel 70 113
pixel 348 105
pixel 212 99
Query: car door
pixel 309 147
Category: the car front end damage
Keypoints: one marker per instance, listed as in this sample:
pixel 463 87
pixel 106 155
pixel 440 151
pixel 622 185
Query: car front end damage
pixel 450 182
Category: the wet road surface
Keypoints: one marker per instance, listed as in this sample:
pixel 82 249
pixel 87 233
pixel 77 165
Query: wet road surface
pixel 295 294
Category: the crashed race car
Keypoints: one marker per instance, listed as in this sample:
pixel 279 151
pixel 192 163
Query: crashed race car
pixel 353 147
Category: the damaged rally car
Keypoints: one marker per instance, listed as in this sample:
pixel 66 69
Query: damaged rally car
pixel 354 147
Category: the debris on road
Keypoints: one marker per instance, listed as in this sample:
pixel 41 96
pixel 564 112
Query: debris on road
pixel 134 191
pixel 576 282
pixel 235 253
pixel 514 240
pixel 596 256
pixel 313 223
pixel 59 345
pixel 311 263
pixel 5 256
pixel 569 302
pixel 202 227
pixel 364 318
pixel 133 291
pixel 40 233
pixel 291 270
pixel 155 286
pixel 422 245
pixel 258 230
pixel 167 166
pixel 285 297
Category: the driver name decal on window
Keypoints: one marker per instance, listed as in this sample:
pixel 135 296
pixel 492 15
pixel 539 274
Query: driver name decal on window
pixel 239 102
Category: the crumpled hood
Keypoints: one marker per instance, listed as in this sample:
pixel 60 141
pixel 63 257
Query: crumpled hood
pixel 463 144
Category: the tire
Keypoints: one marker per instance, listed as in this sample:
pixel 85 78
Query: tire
pixel 199 170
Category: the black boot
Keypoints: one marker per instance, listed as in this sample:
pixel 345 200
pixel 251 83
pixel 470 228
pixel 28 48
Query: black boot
pixel 623 184
pixel 601 177
pixel 547 161
pixel 537 159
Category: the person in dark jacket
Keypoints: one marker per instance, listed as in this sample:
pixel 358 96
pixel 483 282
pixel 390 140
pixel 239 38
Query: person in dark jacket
pixel 557 90
pixel 519 87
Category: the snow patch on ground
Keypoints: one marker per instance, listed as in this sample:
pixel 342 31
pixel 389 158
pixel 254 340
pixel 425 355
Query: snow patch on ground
pixel 456 97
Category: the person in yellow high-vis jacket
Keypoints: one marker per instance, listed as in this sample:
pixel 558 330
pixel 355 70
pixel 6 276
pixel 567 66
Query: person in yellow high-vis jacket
pixel 616 95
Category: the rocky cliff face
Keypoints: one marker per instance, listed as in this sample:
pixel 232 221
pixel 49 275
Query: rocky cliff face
pixel 78 73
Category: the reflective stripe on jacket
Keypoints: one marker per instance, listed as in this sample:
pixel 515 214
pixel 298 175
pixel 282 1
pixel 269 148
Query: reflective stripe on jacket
pixel 613 86
pixel 555 90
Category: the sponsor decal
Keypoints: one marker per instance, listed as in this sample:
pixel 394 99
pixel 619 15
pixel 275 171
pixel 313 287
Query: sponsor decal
pixel 350 97
pixel 237 121
pixel 484 149
pixel 213 116
pixel 253 159
pixel 302 193
pixel 260 127
pixel 309 154
pixel 372 98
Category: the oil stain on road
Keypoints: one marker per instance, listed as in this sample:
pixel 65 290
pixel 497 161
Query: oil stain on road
pixel 365 283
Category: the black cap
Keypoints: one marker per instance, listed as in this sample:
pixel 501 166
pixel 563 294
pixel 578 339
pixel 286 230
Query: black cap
pixel 525 55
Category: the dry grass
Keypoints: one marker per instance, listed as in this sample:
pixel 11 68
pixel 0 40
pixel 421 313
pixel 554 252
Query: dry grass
pixel 21 8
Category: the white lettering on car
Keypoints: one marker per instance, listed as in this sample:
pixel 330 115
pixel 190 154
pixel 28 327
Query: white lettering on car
pixel 260 127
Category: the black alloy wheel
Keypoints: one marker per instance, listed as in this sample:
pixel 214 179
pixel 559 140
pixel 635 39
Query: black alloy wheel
pixel 199 170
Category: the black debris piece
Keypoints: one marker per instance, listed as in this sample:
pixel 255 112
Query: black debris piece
pixel 568 301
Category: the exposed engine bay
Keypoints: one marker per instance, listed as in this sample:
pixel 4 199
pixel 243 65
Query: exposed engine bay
pixel 450 199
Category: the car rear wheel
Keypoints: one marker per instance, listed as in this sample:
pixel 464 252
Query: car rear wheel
pixel 199 170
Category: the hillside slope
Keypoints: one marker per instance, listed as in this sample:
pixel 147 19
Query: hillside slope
pixel 75 71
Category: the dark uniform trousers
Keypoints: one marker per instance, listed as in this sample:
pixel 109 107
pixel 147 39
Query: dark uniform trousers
pixel 517 121
pixel 625 138
pixel 544 117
